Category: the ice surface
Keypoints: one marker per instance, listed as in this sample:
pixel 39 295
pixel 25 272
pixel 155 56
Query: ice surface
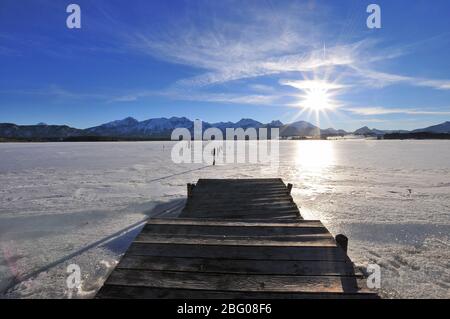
pixel 82 203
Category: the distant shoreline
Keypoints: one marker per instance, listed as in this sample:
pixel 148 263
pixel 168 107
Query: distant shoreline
pixel 161 129
pixel 75 139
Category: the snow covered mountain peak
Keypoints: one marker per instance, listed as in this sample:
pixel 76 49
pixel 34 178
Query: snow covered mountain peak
pixel 128 121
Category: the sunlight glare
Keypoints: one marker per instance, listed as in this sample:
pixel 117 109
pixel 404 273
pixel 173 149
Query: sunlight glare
pixel 317 100
pixel 315 155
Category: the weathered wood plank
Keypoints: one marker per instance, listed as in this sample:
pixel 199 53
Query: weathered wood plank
pixel 206 230
pixel 300 241
pixel 237 182
pixel 242 185
pixel 235 223
pixel 239 266
pixel 212 239
pixel 262 211
pixel 242 206
pixel 233 282
pixel 243 196
pixel 243 200
pixel 202 181
pixel 238 252
pixel 128 292
pixel 269 215
pixel 241 215
pixel 239 185
pixel 253 196
pixel 249 210
pixel 240 191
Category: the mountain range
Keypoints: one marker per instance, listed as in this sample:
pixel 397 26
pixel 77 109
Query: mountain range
pixel 161 128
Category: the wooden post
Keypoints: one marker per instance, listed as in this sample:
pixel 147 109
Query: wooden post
pixel 289 188
pixel 189 190
pixel 342 241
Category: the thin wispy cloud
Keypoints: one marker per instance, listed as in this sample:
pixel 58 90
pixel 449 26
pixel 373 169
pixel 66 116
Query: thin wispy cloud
pixel 56 91
pixel 261 42
pixel 378 110
pixel 382 79
pixel 312 84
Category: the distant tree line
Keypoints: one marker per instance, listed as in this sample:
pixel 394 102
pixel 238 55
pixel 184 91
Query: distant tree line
pixel 417 135
pixel 83 139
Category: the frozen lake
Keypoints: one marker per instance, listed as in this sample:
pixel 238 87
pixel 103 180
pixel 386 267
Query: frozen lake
pixel 64 203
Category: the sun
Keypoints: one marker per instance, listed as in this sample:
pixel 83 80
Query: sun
pixel 317 99
pixel 316 95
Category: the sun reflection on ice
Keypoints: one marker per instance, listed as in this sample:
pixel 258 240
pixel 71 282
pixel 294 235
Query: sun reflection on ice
pixel 313 162
pixel 314 155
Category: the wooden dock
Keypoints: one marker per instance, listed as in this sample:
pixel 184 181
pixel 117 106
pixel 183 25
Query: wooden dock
pixel 236 239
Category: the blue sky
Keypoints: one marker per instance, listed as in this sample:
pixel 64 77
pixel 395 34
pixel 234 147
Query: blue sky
pixel 226 60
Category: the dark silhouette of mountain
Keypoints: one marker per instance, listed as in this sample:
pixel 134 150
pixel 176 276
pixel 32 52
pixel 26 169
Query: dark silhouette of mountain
pixel 300 128
pixel 243 123
pixel 367 131
pixel 417 135
pixel 440 128
pixel 275 123
pixel 332 132
pixel 161 128
pixel 130 127
pixel 37 132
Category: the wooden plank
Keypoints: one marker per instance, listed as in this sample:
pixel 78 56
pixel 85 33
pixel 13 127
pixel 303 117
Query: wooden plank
pixel 238 251
pixel 270 179
pixel 234 231
pixel 233 282
pixel 259 213
pixel 233 223
pixel 240 190
pixel 229 203
pixel 205 230
pixel 207 182
pixel 242 200
pixel 240 186
pixel 242 196
pixel 232 239
pixel 300 241
pixel 239 266
pixel 243 209
pixel 202 181
pixel 246 186
pixel 128 292
pixel 240 215
pixel 262 211
pixel 237 182
pixel 240 206
pixel 239 196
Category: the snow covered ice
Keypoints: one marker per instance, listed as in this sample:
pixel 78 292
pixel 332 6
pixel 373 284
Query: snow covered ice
pixel 82 203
